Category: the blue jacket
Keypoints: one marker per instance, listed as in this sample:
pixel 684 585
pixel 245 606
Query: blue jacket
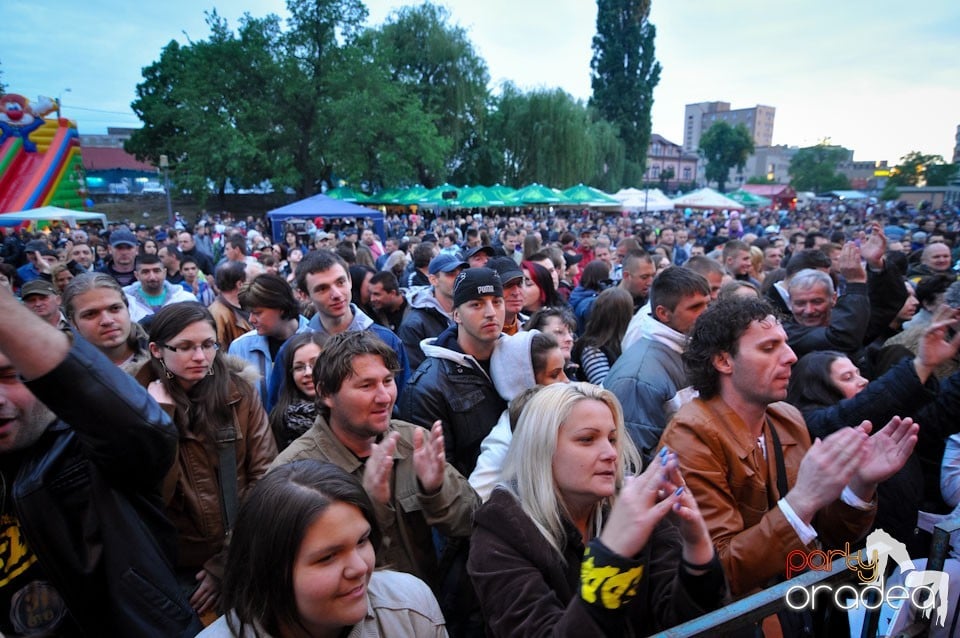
pixel 254 348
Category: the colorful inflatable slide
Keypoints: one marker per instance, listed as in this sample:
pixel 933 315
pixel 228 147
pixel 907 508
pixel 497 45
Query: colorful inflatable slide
pixel 40 163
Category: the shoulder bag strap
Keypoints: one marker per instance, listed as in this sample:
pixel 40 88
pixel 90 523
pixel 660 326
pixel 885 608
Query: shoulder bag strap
pixel 778 456
pixel 226 447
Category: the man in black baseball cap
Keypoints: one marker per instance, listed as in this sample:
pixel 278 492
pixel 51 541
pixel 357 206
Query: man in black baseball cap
pixel 512 278
pixel 123 253
pixel 453 383
pixel 33 251
pixel 478 256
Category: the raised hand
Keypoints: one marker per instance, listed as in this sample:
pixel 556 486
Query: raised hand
pixel 642 502
pixel 934 349
pixel 873 246
pixel 850 266
pixel 697 544
pixel 378 470
pixel 887 452
pixel 429 459
pixel 826 468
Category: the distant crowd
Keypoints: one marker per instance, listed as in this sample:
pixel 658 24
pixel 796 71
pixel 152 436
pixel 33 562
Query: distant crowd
pixel 506 423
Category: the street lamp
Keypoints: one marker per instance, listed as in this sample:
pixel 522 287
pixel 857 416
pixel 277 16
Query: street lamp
pixel 165 165
pixel 59 100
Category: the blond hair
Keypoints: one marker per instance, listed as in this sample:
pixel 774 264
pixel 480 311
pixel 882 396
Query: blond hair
pixel 528 468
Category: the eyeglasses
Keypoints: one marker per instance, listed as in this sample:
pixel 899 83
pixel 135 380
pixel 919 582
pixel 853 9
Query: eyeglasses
pixel 300 368
pixel 207 347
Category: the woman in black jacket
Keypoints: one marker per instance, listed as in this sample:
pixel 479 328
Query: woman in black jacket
pixel 831 393
pixel 567 546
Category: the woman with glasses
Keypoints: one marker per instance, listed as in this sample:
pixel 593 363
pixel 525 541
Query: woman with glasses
pixel 225 441
pixel 296 408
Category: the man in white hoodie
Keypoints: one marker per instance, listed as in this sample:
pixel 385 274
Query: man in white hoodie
pixel 648 378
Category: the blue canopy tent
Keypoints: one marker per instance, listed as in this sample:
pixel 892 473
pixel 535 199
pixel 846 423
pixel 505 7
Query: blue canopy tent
pixel 321 206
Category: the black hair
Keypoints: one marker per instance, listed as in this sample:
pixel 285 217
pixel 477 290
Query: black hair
pixel 716 331
pixel 258 578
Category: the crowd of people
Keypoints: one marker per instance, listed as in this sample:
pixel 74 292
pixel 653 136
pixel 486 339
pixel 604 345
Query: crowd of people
pixel 504 424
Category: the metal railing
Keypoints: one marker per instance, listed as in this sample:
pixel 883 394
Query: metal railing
pixel 746 612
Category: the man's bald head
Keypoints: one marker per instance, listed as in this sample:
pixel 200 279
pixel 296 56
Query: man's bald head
pixel 936 256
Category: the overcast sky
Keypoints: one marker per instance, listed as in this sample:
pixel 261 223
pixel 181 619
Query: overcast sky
pixel 881 78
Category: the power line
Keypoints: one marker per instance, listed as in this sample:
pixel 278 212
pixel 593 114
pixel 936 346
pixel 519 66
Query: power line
pixel 71 107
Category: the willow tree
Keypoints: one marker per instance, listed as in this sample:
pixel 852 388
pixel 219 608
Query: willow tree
pixel 624 74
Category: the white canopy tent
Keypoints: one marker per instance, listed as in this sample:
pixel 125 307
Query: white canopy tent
pixel 49 214
pixel 706 198
pixel 636 200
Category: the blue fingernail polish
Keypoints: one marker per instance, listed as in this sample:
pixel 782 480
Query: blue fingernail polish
pixel 663 452
pixel 679 491
pixel 663 459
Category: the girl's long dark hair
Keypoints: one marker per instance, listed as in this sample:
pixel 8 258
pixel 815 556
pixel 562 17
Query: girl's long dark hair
pixel 290 393
pixel 607 323
pixel 206 406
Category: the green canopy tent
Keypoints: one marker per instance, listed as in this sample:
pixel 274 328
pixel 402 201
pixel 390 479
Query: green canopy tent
pixel 477 197
pixel 500 192
pixel 534 194
pixel 389 197
pixel 411 196
pixel 749 199
pixel 583 195
pixel 443 195
pixel 346 194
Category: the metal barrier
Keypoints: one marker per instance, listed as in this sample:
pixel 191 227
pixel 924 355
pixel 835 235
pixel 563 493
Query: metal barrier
pixel 747 611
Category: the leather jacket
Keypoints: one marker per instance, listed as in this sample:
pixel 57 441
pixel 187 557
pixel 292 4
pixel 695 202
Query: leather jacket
pixel 193 493
pixel 452 386
pixel 88 498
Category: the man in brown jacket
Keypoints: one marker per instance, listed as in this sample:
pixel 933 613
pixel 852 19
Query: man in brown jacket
pixel 402 466
pixel 733 438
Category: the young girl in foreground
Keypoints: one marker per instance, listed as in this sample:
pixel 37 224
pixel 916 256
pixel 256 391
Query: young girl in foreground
pixel 300 565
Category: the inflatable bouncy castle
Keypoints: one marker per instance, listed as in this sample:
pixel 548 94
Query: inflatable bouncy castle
pixel 40 162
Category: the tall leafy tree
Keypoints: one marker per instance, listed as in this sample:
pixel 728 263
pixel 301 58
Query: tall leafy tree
pixel 319 34
pixel 610 154
pixel 546 136
pixel 919 169
pixel 624 74
pixel 724 147
pixel 390 138
pixel 424 52
pixel 197 118
pixel 815 168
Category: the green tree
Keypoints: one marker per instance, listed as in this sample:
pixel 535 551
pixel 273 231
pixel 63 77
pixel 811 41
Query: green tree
pixel 546 136
pixel 390 139
pixel 917 169
pixel 610 155
pixel 889 192
pixel 815 168
pixel 624 74
pixel 197 117
pixel 665 176
pixel 436 61
pixel 724 147
pixel 319 36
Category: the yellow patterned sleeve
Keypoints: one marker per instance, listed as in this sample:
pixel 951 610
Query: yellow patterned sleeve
pixel 607 580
